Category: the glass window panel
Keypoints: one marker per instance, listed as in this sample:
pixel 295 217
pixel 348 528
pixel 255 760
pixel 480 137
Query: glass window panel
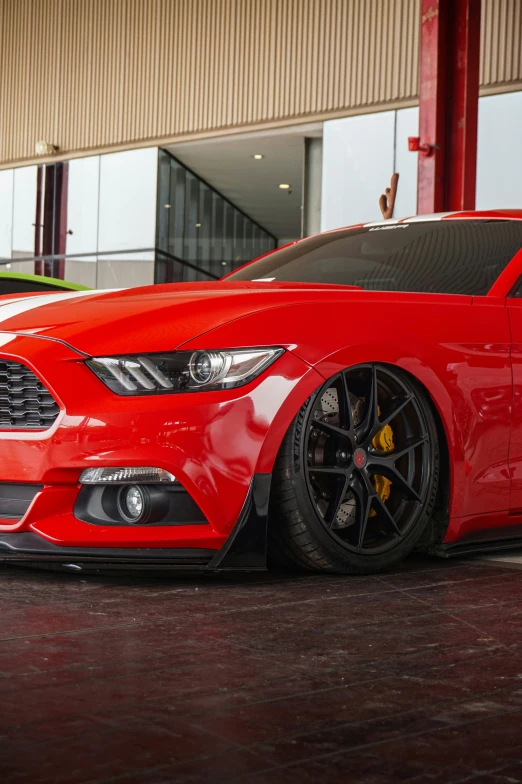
pixel 204 275
pixel 218 265
pixel 218 217
pixel 6 212
pixel 249 248
pixel 24 211
pixel 406 124
pixel 164 204
pixel 81 270
pixel 161 269
pixel 124 270
pixel 168 270
pixel 267 242
pixel 178 185
pixel 228 244
pixel 256 241
pixel 499 159
pixel 356 152
pixel 205 226
pixel 82 205
pixel 239 238
pixel 191 221
pixel 128 197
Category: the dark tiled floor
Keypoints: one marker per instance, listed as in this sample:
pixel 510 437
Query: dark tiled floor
pixel 413 676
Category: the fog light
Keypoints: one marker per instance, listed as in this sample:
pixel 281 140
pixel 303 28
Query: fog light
pixel 134 503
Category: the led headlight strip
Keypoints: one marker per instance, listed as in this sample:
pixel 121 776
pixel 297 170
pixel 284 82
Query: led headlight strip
pixel 183 371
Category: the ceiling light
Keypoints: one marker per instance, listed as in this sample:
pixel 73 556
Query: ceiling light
pixel 284 186
pixel 198 225
pixel 258 156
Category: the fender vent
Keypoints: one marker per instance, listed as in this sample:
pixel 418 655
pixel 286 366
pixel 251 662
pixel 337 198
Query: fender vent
pixel 25 403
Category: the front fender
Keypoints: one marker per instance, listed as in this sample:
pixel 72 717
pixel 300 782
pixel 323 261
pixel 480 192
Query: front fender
pixel 456 349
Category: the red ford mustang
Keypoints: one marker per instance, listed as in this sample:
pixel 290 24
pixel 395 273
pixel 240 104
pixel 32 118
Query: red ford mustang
pixel 338 402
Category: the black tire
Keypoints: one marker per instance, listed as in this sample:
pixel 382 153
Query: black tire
pixel 328 509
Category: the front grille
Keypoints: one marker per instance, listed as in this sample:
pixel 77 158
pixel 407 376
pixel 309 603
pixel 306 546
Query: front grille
pixel 25 403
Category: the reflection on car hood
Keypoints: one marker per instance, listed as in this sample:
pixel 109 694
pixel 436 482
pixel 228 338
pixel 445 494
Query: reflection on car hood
pixel 153 318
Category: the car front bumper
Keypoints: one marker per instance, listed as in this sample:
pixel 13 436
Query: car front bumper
pixel 244 549
pixel 221 446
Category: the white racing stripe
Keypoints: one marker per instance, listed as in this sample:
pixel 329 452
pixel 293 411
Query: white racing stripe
pixel 387 222
pixel 435 216
pixel 26 304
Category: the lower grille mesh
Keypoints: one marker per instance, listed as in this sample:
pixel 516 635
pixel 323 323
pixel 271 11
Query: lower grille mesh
pixel 25 403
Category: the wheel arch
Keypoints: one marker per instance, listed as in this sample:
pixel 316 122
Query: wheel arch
pixel 291 538
pixel 441 405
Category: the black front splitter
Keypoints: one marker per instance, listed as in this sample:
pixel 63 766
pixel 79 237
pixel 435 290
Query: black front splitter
pixel 244 550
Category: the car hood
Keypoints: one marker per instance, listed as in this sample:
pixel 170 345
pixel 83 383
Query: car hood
pixel 153 318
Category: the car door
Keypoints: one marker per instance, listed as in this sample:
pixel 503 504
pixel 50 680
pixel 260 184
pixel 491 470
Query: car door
pixel 508 290
pixel 514 308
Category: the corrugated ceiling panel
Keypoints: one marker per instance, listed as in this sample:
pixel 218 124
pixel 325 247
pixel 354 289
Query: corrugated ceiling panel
pixel 91 74
pixel 501 42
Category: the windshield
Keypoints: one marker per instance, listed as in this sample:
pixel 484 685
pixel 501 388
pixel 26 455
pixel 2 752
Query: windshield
pixel 446 257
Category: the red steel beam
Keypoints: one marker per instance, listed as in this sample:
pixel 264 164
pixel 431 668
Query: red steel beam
pixel 448 104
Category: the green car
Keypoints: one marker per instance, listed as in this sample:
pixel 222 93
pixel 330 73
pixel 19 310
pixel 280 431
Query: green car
pixel 19 283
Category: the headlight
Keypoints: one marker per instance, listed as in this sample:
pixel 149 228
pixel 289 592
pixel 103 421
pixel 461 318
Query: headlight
pixel 184 371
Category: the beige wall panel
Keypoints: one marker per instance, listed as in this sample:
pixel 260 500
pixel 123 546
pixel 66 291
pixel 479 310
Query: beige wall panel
pixel 91 74
pixel 501 42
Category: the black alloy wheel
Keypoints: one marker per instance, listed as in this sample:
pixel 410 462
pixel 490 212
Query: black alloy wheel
pixel 362 460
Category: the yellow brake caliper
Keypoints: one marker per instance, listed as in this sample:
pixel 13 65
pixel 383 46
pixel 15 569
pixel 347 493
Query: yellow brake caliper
pixel 383 442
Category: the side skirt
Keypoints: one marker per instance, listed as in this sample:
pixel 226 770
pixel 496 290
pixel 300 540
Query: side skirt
pixel 487 540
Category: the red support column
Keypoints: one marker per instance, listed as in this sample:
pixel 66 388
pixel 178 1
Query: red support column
pixel 448 105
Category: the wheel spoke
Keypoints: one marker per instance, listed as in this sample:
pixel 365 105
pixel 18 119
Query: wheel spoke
pixel 345 408
pixel 386 512
pixel 401 483
pixel 398 407
pixel 332 470
pixel 384 464
pixel 335 501
pixel 328 429
pixel 363 506
pixel 389 458
pixel 370 423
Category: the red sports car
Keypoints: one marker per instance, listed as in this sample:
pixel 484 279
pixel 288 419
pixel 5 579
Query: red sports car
pixel 336 403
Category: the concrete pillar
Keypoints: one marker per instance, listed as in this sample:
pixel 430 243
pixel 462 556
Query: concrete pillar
pixel 312 183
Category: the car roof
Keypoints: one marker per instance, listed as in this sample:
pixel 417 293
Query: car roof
pixel 502 214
